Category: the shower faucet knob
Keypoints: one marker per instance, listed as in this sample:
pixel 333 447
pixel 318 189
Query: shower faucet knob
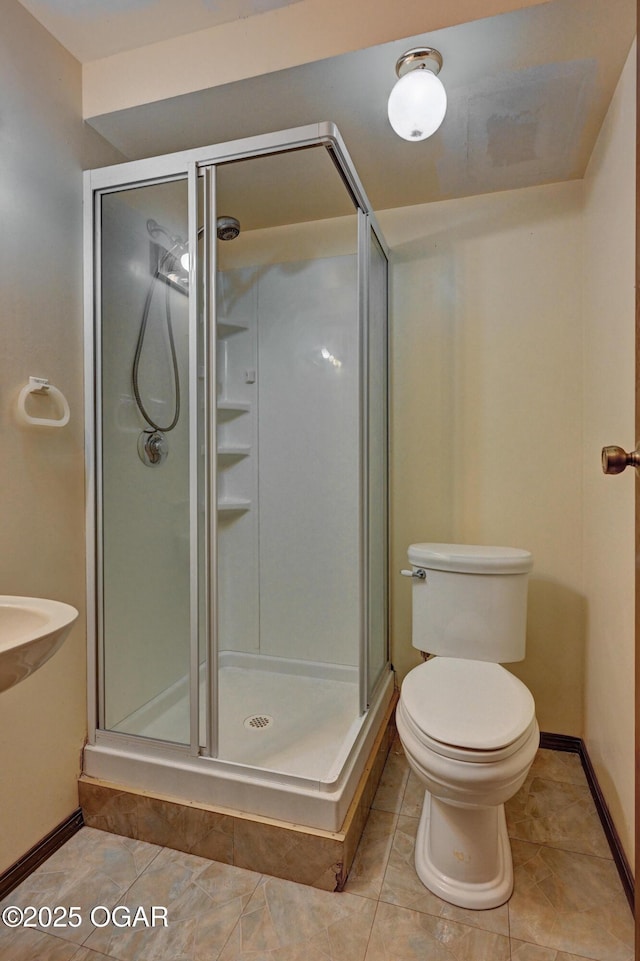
pixel 153 449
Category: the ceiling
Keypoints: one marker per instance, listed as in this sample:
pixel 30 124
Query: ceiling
pixel 527 94
pixel 91 29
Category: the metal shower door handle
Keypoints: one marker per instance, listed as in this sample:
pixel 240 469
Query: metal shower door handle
pixel 615 459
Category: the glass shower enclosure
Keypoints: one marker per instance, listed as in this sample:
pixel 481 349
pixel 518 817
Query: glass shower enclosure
pixel 236 372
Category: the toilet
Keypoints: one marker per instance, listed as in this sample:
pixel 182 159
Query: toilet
pixel 467 725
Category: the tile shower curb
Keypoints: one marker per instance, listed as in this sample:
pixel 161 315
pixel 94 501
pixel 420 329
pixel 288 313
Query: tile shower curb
pixel 318 858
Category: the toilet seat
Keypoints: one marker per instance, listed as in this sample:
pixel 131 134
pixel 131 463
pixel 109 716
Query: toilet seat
pixel 475 711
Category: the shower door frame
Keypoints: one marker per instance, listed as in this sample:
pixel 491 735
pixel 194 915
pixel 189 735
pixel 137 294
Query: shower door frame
pixel 192 165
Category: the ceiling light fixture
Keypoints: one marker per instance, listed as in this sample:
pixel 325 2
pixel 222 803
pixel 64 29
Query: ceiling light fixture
pixel 418 102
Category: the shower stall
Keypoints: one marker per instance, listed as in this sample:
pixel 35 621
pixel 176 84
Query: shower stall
pixel 236 371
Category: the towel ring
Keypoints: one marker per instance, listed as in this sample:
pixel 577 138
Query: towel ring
pixel 40 385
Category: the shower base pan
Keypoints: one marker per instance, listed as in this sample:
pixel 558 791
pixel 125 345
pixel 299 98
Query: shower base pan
pixel 288 716
pixel 290 827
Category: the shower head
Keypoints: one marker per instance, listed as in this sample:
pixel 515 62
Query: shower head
pixel 228 228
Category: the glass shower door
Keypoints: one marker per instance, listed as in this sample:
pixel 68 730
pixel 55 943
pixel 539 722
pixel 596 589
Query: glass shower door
pixel 289 599
pixel 144 465
pixel 240 461
pixel 377 307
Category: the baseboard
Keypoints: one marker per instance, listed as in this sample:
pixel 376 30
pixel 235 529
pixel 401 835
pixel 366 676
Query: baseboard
pixel 39 853
pixel 575 745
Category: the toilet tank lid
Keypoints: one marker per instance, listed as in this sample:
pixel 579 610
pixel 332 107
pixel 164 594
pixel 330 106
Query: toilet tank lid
pixel 470 558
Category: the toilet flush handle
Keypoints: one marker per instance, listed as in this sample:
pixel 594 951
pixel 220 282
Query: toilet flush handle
pixel 419 572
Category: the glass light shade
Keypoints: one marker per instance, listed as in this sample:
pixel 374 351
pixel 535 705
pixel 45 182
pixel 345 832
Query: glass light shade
pixel 417 105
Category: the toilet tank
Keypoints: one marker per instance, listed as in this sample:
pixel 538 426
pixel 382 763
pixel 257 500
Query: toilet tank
pixel 473 601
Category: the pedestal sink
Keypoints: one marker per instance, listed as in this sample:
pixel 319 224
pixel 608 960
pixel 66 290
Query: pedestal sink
pixel 31 630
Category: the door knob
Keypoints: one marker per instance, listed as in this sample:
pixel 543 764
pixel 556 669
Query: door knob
pixel 615 459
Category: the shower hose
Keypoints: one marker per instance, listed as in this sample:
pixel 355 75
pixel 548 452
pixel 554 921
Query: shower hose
pixel 174 360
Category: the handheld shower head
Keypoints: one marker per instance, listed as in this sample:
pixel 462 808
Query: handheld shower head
pixel 154 229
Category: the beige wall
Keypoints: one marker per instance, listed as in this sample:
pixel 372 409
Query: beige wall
pixel 609 354
pixel 512 365
pixel 486 409
pixel 44 146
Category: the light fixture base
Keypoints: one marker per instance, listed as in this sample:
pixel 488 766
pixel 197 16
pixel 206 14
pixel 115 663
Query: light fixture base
pixel 419 57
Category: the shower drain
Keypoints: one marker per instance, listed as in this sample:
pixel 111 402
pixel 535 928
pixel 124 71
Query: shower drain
pixel 258 721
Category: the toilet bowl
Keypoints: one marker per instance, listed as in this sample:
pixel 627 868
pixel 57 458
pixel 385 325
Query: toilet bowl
pixel 467 725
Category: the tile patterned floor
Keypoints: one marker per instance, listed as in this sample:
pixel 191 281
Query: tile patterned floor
pixel 568 903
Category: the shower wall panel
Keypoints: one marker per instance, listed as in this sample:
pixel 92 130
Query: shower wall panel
pixel 288 567
pixel 309 460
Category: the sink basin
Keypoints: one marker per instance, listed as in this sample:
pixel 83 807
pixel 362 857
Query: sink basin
pixel 31 630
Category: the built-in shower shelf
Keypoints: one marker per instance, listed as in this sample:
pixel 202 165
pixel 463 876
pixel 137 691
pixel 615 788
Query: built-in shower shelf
pixel 225 328
pixel 229 505
pixel 231 408
pixel 232 452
